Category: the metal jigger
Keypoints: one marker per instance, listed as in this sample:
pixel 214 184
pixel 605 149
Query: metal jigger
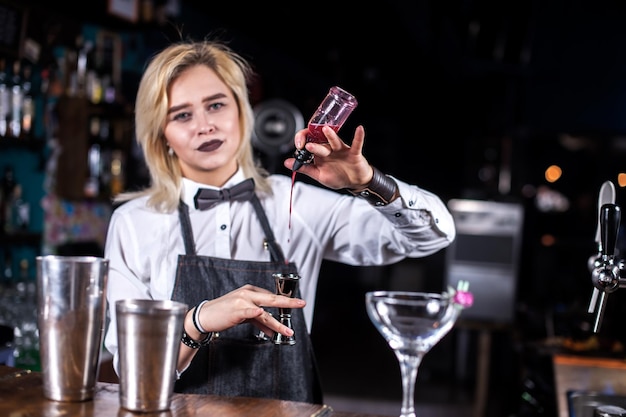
pixel 286 285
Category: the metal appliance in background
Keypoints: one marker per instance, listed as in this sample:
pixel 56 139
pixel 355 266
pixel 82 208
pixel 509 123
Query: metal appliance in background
pixel 276 123
pixel 486 253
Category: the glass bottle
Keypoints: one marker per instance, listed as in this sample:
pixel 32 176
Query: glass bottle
pixel 332 112
pixel 28 104
pixel 19 211
pixel 5 105
pixel 17 98
pixel 7 185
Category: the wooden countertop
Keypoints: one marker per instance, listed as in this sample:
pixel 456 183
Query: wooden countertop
pixel 21 394
pixel 593 374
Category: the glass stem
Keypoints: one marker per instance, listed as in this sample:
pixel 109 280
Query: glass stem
pixel 409 364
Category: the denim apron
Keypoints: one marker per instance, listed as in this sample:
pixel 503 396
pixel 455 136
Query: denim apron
pixel 240 361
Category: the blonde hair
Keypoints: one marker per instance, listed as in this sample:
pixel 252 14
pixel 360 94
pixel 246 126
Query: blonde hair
pixel 151 111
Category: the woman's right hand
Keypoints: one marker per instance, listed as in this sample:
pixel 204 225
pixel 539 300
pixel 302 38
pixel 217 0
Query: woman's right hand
pixel 336 165
pixel 245 304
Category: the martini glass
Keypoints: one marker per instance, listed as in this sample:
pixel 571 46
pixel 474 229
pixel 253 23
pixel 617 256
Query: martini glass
pixel 411 323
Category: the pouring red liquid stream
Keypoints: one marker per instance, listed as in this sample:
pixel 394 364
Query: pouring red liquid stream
pixel 293 182
pixel 315 135
pixel 332 112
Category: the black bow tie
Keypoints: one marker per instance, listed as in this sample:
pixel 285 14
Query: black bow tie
pixel 205 198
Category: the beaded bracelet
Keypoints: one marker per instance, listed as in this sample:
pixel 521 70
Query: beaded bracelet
pixel 196 318
pixel 195 344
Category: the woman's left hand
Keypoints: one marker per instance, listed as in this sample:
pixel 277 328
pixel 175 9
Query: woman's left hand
pixel 335 165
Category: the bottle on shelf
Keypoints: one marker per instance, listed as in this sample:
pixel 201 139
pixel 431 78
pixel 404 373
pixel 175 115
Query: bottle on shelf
pixel 117 172
pixel 94 156
pixel 17 99
pixel 28 103
pixel 106 146
pixel 7 267
pixel 18 215
pixel 5 105
pixel 7 186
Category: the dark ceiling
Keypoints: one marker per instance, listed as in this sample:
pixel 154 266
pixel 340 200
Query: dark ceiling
pixel 441 83
pixel 555 65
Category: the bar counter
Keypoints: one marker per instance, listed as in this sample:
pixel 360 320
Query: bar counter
pixel 21 395
pixel 587 374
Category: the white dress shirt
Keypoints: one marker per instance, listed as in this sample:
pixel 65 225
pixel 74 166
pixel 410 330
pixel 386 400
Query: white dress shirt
pixel 143 245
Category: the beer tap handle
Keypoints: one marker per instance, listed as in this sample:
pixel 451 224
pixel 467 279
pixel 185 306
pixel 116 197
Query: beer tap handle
pixel 606 276
pixel 606 196
pixel 610 217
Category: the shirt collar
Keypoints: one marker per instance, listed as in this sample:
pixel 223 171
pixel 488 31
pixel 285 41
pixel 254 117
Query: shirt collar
pixel 190 188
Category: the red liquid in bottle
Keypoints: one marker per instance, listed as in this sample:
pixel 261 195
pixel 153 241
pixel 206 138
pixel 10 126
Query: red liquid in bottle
pixel 316 135
pixel 293 182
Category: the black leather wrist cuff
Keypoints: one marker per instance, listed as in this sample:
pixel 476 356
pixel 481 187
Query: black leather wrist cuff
pixel 381 190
